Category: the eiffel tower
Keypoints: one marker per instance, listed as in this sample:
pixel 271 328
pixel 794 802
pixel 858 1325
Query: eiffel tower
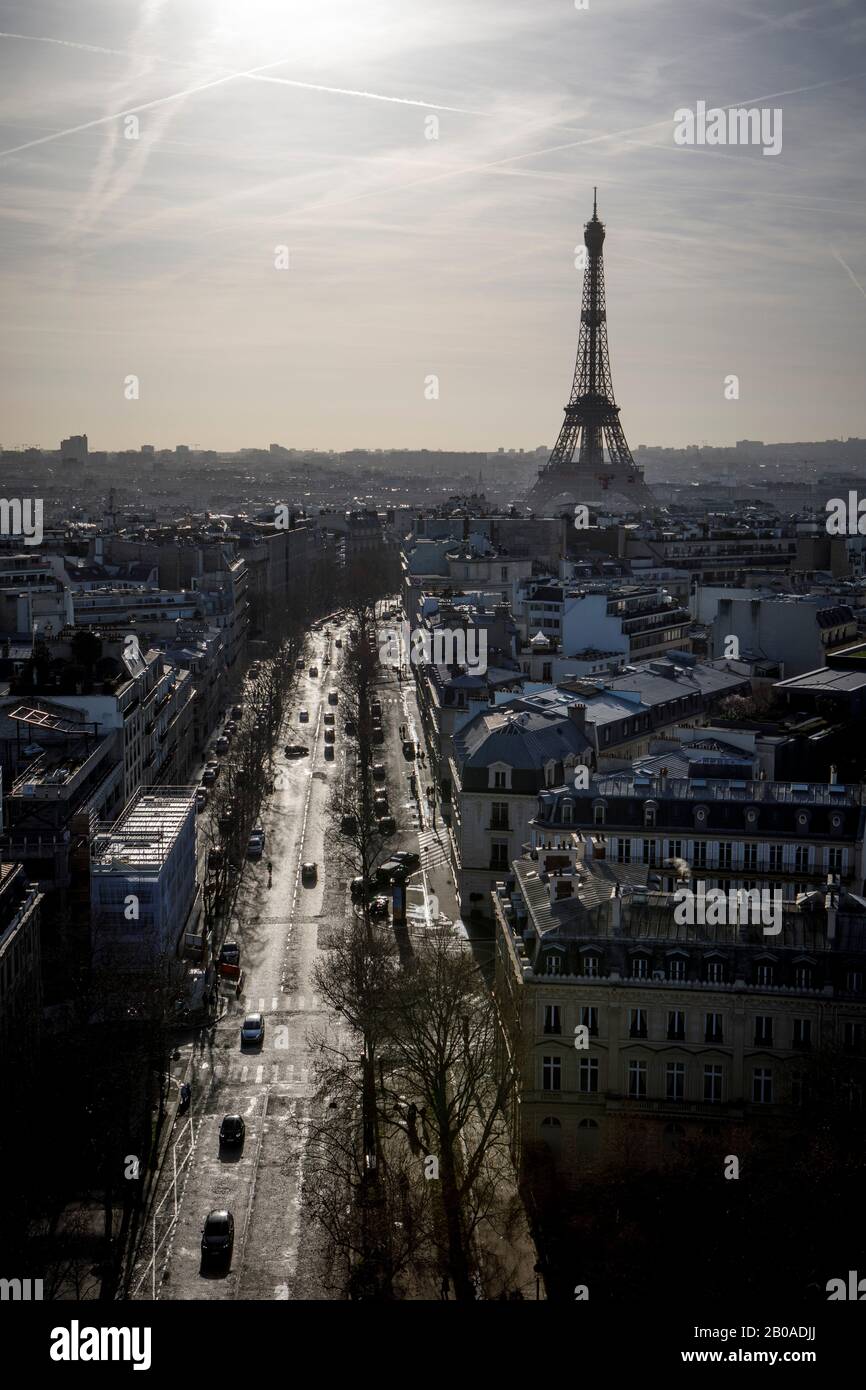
pixel 614 483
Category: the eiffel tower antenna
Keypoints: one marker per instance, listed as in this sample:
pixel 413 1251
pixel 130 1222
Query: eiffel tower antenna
pixel 591 414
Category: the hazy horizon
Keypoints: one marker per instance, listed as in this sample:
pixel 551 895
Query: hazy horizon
pixel 412 257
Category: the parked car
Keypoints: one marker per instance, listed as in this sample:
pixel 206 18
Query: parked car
pixel 214 859
pixel 209 776
pixel 376 709
pixel 309 873
pixel 231 728
pixel 314 670
pixel 392 868
pixel 300 664
pixel 378 772
pixel 218 1236
pixel 379 906
pixel 378 733
pixel 253 1029
pixel 387 825
pixel 296 750
pixel 338 641
pixel 232 1131
pixel 237 711
pixel 380 805
pixel 349 726
pixel 230 953
pixel 329 752
pixel 349 824
pixel 256 844
pixel 330 736
pixel 408 750
pixel 329 718
pixel 359 888
pixel 303 716
pixel 200 798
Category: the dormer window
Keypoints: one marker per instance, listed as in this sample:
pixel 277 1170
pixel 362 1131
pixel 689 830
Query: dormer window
pixel 567 811
pixel 499 777
pixel 599 809
pixel 649 813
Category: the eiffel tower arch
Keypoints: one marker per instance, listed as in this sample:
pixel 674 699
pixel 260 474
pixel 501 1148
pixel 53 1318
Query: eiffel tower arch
pixel 579 470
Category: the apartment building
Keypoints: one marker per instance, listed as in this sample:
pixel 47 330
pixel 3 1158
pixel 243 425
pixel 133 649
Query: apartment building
pixel 625 1034
pixel 20 977
pixel 632 622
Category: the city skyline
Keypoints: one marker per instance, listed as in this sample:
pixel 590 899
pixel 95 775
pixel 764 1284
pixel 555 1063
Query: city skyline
pixel 411 258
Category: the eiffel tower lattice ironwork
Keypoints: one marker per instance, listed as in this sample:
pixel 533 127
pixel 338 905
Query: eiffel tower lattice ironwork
pixel 577 470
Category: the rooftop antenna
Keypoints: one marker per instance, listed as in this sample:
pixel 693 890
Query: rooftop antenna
pixel 594 201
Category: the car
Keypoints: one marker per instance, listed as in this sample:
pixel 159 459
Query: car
pixel 200 798
pixel 392 868
pixel 314 670
pixel 376 709
pixel 300 664
pixel 303 716
pixel 349 726
pixel 230 953
pixel 232 1131
pixel 338 641
pixel 218 1236
pixel 214 859
pixel 231 728
pixel 309 873
pixel 360 888
pixel 227 818
pixel 222 745
pixel 409 857
pixel 330 736
pixel 378 733
pixel 408 750
pixel 296 750
pixel 378 772
pixel 209 776
pixel 253 1029
pixel 380 805
pixel 237 711
pixel 349 823
pixel 329 718
pixel 329 752
pixel 379 906
pixel 256 844
pixel 387 825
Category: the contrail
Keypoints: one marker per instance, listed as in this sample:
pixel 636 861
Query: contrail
pixel 371 96
pixel 134 110
pixel 67 43
pixel 846 266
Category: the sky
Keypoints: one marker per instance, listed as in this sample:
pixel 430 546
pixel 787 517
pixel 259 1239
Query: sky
pixel 353 223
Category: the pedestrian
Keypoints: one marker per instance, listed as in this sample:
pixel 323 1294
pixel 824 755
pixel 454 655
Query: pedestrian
pixel 445 1286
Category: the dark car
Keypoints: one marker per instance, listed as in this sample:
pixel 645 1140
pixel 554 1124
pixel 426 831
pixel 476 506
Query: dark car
pixel 349 824
pixel 387 825
pixel 232 1131
pixel 392 868
pixel 218 1236
pixel 237 711
pixel 349 726
pixel 378 733
pixel 330 736
pixel 329 752
pixel 378 772
pixel 379 906
pixel 230 953
pixel 408 750
pixel 253 1030
pixel 380 806
pixel 296 750
pixel 409 857
pixel 360 889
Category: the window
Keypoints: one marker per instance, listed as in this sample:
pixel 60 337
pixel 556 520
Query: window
pixel 750 856
pixel 640 968
pixel 554 963
pixel 676 968
pixel 854 1033
pixel 834 859
pixel 676 1025
pixel 649 851
pixel 637 1023
pixel 803 976
pixel 598 814
pixel 854 982
pixel 713 1028
pixel 623 851
pixel 499 815
pixel 649 813
pixel 714 972
pixel 637 1079
pixel 499 780
pixel 799 1088
pixel 587 1075
pixel 547 671
pixel 763 1030
pixel 499 854
pixel 589 1019
pixel 552 1020
pixel 700 855
pixel 776 857
pixel 675 1080
pixel 726 851
pixel 675 849
pixel 766 973
pixel 762 1086
pixel 802 856
pixel 590 966
pixel 567 811
pixel 803 1033
pixel 503 572
pixel 713 1084
pixel 551 1073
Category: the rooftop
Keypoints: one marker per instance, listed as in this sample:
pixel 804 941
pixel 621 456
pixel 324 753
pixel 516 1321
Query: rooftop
pixel 143 836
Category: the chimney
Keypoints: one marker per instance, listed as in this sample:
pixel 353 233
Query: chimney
pixel 577 715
